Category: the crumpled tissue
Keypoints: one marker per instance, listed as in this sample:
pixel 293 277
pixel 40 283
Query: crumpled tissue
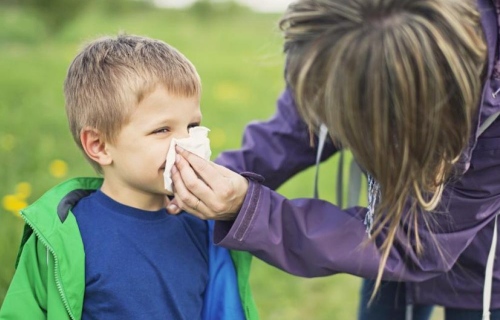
pixel 197 143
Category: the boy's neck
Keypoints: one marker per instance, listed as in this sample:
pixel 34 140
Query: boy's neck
pixel 131 197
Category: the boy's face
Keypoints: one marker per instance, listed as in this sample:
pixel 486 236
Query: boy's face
pixel 135 176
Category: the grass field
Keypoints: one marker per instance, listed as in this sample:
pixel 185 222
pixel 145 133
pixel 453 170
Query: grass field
pixel 238 55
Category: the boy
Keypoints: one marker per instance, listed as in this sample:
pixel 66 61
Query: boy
pixel 106 248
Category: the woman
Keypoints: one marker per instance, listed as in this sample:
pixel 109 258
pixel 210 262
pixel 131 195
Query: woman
pixel 408 86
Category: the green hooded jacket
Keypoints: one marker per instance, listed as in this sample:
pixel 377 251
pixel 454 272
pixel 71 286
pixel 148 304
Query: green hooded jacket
pixel 49 282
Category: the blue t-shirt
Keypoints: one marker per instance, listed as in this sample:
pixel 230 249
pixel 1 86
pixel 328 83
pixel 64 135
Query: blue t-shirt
pixel 141 264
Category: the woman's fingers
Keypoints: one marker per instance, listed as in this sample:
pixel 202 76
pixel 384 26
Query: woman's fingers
pixel 172 206
pixel 213 174
pixel 206 189
pixel 188 181
pixel 194 198
pixel 184 197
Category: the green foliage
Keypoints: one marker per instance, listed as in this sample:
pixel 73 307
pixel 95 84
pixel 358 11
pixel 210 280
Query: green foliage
pixel 119 7
pixel 56 13
pixel 210 9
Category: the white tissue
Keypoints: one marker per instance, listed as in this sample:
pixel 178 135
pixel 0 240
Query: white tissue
pixel 197 143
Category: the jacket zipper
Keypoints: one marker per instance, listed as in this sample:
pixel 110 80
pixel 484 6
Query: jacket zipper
pixel 56 267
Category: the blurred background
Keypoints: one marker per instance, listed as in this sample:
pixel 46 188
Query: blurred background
pixel 236 47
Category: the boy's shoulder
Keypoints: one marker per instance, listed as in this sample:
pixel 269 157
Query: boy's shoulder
pixel 60 197
pixel 49 213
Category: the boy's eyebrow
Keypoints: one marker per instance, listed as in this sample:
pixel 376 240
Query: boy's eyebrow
pixel 158 121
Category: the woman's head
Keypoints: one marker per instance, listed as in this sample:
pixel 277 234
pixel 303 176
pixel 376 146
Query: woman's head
pixel 395 81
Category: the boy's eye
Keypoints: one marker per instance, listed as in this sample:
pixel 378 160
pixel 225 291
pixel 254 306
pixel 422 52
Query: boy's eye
pixel 162 130
pixel 192 125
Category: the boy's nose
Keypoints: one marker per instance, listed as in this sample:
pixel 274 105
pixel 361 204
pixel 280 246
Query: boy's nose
pixel 182 134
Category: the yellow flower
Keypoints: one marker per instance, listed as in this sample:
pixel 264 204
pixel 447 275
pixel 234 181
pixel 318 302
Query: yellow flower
pixel 58 168
pixel 13 204
pixel 23 190
pixel 16 202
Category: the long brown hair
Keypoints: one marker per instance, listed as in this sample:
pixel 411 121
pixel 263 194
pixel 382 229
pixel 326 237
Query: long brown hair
pixel 395 81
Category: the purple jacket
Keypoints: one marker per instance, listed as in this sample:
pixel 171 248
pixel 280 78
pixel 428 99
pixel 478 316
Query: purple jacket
pixel 311 237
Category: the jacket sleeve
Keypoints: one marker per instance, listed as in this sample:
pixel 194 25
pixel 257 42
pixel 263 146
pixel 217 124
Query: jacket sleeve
pixel 278 148
pixel 312 238
pixel 26 296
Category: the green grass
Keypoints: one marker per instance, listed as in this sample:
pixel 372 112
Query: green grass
pixel 238 55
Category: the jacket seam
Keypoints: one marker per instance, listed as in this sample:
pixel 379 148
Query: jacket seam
pixel 248 212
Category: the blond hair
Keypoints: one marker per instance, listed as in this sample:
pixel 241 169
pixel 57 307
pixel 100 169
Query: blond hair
pixel 111 75
pixel 395 81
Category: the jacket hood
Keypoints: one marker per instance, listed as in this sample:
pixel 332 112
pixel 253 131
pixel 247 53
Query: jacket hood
pixel 52 208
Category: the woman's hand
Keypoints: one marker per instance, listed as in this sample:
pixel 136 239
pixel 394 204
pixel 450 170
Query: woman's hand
pixel 205 189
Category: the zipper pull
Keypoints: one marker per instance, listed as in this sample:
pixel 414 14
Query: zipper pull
pixel 494 94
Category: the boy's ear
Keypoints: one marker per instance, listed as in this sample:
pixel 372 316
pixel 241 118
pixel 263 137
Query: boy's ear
pixel 95 146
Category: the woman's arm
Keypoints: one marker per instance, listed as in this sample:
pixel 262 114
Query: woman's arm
pixel 312 238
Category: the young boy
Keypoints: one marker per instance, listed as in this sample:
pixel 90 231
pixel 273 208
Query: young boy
pixel 106 248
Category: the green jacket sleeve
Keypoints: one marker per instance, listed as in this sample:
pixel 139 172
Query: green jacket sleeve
pixel 27 294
